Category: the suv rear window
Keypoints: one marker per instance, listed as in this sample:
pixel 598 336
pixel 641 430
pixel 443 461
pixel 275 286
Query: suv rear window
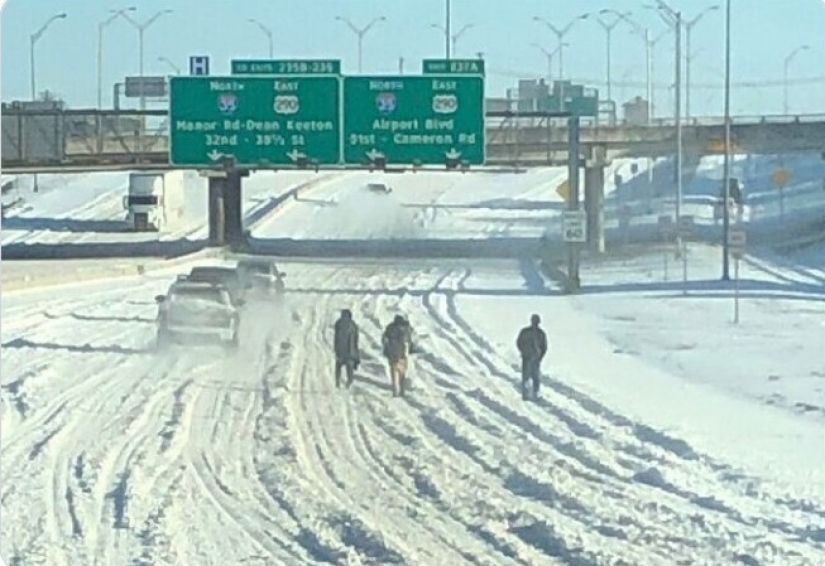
pixel 191 294
pixel 212 274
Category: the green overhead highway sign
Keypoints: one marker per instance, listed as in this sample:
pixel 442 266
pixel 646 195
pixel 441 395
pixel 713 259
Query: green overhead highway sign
pixel 409 119
pixel 286 67
pixel 453 66
pixel 256 120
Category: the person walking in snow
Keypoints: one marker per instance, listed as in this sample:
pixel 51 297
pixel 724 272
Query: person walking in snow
pixel 347 354
pixel 397 344
pixel 532 345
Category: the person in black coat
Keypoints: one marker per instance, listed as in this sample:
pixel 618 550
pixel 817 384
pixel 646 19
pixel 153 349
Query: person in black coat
pixel 347 354
pixel 532 345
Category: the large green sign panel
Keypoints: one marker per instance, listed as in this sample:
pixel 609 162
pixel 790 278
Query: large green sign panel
pixel 286 67
pixel 408 119
pixel 256 120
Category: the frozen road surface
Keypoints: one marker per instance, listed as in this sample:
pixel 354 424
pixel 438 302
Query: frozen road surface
pixel 116 454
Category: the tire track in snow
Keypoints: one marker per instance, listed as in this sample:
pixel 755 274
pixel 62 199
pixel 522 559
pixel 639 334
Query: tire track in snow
pixel 426 485
pixel 675 447
pixel 451 439
pixel 228 476
pixel 367 542
pixel 435 426
pixel 328 455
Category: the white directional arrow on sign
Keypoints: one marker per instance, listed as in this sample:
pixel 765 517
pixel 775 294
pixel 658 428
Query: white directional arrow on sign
pixel 453 154
pixel 295 155
pixel 374 154
pixel 214 155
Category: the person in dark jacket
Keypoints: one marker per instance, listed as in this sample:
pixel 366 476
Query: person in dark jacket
pixel 532 345
pixel 347 354
pixel 397 343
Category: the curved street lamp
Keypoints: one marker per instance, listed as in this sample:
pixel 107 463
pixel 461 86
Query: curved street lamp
pixel 455 37
pixel 560 33
pixel 267 32
pixel 361 32
pixel 170 63
pixel 100 27
pixel 788 60
pixel 33 41
pixel 142 27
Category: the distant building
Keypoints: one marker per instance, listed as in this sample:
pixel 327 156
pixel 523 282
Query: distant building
pixel 637 111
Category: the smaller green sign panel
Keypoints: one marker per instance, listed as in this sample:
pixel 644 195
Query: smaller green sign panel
pixel 286 67
pixel 453 66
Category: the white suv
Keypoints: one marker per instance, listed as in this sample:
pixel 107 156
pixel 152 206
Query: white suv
pixel 197 310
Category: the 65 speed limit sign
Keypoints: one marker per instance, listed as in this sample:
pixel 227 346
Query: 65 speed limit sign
pixel 574 226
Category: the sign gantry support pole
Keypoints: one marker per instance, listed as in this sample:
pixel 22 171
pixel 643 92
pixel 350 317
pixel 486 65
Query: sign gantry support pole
pixel 573 259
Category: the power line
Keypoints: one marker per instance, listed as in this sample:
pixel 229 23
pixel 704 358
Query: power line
pixel 800 81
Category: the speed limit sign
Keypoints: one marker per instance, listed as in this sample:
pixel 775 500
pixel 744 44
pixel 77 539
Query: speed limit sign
pixel 574 226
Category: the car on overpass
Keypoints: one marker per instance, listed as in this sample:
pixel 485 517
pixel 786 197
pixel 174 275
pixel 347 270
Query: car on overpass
pixel 380 188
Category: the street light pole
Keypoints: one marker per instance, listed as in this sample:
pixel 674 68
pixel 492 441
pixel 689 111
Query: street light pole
pixel 549 55
pixel 32 42
pixel 268 32
pixel 455 37
pixel 142 27
pixel 726 180
pixel 361 32
pixel 644 33
pixel 101 26
pixel 448 27
pixel 688 29
pixel 560 33
pixel 788 60
pixel 170 63
pixel 674 18
pixel 608 28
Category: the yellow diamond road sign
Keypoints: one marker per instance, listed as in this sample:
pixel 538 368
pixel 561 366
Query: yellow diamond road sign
pixel 781 177
pixel 563 190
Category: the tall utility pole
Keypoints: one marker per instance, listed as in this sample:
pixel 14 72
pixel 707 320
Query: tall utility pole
pixel 674 18
pixel 267 32
pixel 361 32
pixel 560 33
pixel 608 28
pixel 142 27
pixel 549 55
pixel 644 33
pixel 100 27
pixel 455 37
pixel 448 27
pixel 689 24
pixel 788 60
pixel 726 180
pixel 33 42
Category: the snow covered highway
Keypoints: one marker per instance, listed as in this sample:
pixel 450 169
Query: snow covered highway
pixel 117 454
pixel 663 433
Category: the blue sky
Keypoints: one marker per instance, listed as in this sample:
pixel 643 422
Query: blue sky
pixel 764 33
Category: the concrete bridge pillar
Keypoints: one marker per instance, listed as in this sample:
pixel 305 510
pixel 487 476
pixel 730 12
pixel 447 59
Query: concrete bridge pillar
pixel 217 215
pixel 594 175
pixel 233 208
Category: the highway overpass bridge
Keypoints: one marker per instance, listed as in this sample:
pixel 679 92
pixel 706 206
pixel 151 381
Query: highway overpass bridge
pixel 94 140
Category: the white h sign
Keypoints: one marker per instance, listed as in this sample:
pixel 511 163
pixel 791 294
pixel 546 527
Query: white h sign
pixel 199 65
